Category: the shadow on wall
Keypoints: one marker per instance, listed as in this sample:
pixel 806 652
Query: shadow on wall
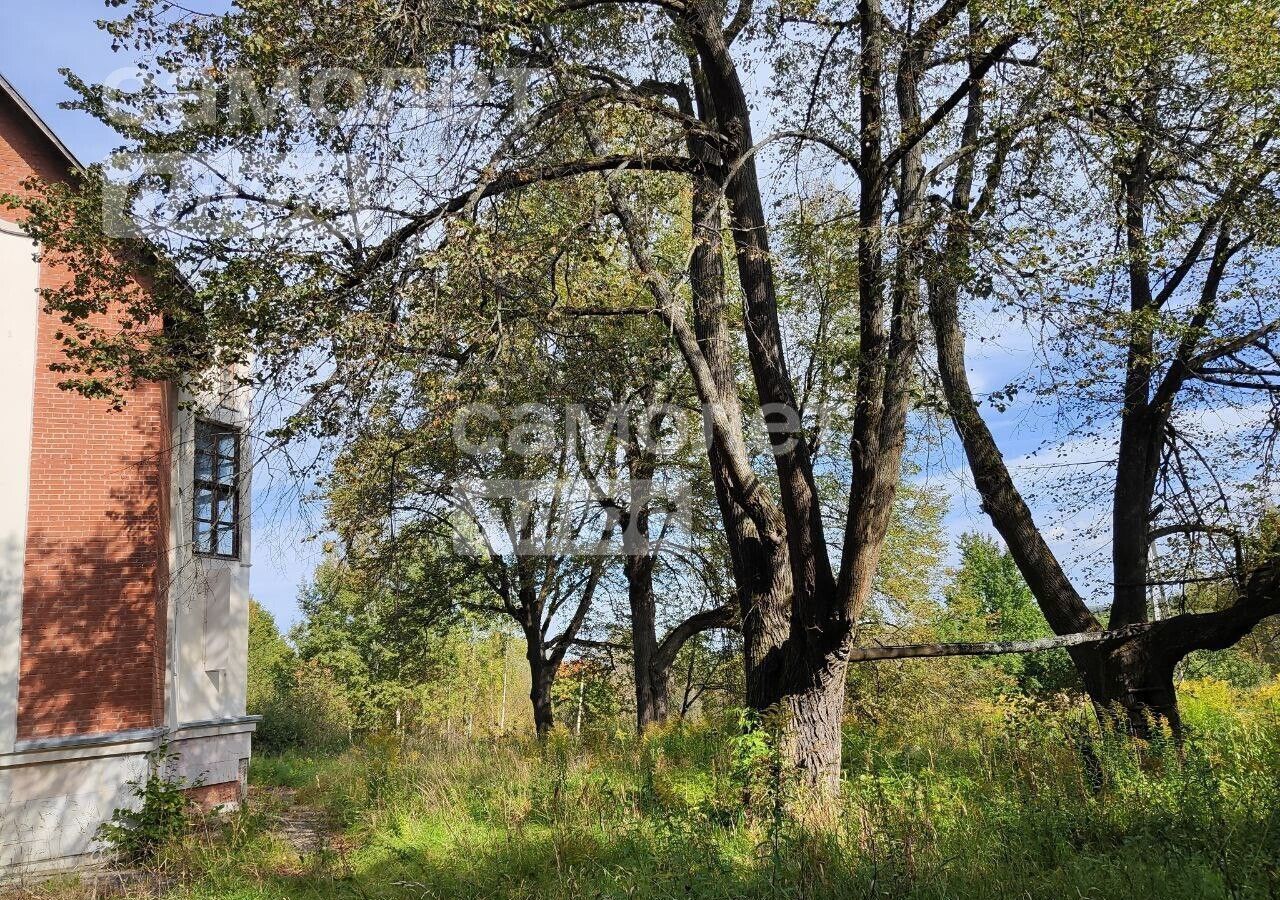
pixel 93 618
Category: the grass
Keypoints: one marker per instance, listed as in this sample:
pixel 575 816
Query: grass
pixel 998 800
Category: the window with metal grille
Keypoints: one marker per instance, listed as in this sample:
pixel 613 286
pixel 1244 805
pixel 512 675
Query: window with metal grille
pixel 216 529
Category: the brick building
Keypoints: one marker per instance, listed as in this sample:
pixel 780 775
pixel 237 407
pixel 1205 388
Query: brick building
pixel 124 554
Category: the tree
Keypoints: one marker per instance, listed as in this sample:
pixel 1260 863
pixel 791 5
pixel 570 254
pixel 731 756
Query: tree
pixel 270 660
pixel 507 508
pixel 1177 135
pixel 301 703
pixel 644 472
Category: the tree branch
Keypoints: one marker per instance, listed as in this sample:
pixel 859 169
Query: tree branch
pixel 993 648
pixel 979 71
pixel 720 617
pixel 505 182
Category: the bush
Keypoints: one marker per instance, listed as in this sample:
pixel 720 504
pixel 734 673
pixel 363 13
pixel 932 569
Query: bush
pixel 163 815
pixel 308 712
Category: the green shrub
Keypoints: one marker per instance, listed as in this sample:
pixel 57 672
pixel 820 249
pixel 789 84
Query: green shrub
pixel 162 817
pixel 309 712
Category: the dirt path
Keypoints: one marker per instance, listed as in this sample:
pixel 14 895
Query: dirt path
pixel 306 829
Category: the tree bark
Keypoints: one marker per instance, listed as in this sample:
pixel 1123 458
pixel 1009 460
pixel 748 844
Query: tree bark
pixel 1133 680
pixel 803 530
pixel 1131 684
pixel 1062 605
pixel 651 697
pixel 814 729
pixel 781 568
pixel 799 626
pixel 652 661
pixel 1141 426
pixel 542 677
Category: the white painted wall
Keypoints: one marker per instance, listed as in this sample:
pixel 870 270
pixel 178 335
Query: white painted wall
pixel 208 598
pixel 19 310
pixel 212 758
pixel 55 793
pixel 51 811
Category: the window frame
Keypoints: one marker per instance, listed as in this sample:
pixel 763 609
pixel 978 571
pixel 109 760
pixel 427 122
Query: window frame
pixel 221 493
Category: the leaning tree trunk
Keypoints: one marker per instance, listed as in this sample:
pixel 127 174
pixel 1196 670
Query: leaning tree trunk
pixel 1130 682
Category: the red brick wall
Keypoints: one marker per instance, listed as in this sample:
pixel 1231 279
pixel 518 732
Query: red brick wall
pixel 211 796
pixel 93 617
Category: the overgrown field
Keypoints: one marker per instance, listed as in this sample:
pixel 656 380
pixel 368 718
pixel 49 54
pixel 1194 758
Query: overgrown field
pixel 999 800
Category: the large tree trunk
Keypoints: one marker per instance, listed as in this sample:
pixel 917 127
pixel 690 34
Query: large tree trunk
pixel 816 719
pixel 811 699
pixel 1130 684
pixel 1136 676
pixel 1137 464
pixel 1130 681
pixel 656 702
pixel 782 571
pixel 1141 427
pixel 754 528
pixel 542 678
pixel 651 703
pixel 761 569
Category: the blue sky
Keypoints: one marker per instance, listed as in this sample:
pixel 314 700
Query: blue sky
pixel 41 37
